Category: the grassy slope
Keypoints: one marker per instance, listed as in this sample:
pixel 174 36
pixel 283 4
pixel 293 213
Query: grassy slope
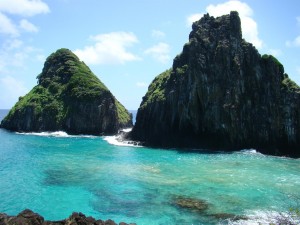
pixel 156 90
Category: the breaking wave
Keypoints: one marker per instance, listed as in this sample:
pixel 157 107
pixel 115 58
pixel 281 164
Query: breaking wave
pixel 118 139
pixel 59 134
pixel 265 217
pixel 251 152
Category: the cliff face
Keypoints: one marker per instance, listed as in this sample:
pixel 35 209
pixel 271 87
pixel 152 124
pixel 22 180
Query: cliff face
pixel 221 94
pixel 68 97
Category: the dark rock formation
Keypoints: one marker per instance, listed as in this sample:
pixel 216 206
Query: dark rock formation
pixel 192 204
pixel 221 94
pixel 202 207
pixel 27 217
pixel 68 97
pixel 228 216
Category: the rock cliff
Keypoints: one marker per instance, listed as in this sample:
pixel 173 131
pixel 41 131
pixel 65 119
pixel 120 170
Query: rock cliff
pixel 68 97
pixel 27 217
pixel 221 94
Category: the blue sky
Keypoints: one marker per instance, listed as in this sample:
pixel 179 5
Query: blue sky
pixel 126 43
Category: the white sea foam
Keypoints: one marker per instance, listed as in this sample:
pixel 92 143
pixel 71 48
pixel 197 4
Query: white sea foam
pixel 60 134
pixel 250 151
pixel 119 141
pixel 126 130
pixel 113 140
pixel 264 217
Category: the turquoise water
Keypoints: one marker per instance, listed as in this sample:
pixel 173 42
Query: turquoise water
pixel 57 175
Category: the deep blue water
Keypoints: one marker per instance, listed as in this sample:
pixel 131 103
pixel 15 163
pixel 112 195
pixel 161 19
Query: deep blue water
pixel 56 174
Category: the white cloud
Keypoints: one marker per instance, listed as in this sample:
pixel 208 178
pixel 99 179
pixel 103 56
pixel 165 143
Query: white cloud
pixel 110 48
pixel 294 43
pixel 7 26
pixel 159 52
pixel 11 89
pixel 298 20
pixel 225 8
pixel 24 7
pixel 141 84
pixel 192 18
pixel 157 34
pixel 27 26
pixel 40 58
pixel 2 65
pixel 14 53
pixel 275 52
pixel 249 26
pixel 11 44
pixel 12 59
pixel 18 59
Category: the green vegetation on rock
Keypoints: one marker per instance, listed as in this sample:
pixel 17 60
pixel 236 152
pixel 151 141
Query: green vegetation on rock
pixel 123 114
pixel 290 85
pixel 156 90
pixel 68 97
pixel 182 70
pixel 39 99
pixel 272 58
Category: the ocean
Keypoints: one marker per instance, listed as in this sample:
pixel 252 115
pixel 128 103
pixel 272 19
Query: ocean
pixel 55 174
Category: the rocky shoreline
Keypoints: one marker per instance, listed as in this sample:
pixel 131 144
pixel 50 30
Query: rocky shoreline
pixel 28 217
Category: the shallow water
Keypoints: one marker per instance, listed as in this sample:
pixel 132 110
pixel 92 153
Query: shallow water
pixel 57 174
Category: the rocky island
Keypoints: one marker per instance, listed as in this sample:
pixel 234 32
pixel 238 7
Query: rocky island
pixel 68 97
pixel 221 94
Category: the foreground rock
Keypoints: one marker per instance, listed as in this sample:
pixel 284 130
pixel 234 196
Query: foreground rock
pixel 27 217
pixel 221 94
pixel 68 97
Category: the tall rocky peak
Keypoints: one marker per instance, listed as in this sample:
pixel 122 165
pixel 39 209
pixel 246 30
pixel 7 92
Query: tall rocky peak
pixel 212 33
pixel 221 94
pixel 227 27
pixel 60 65
pixel 68 97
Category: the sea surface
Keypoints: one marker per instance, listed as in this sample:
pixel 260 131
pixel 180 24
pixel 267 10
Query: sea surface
pixel 55 174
